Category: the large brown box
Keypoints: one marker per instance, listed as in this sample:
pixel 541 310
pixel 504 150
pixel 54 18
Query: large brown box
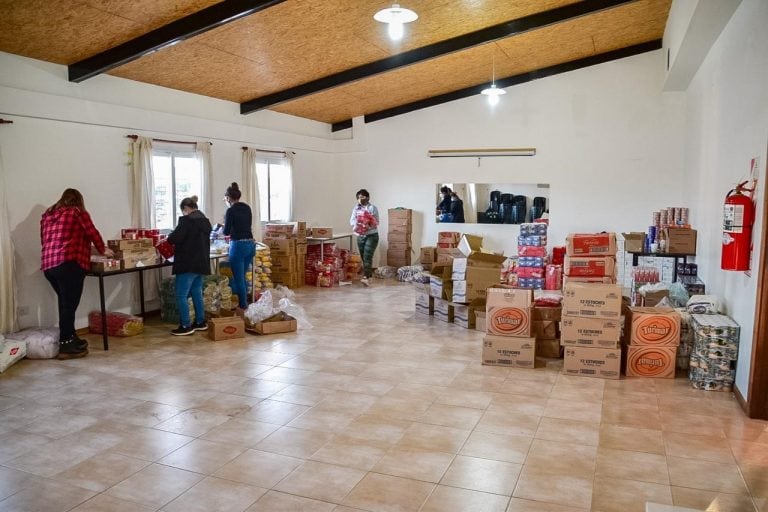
pixel 399 238
pixel 127 263
pixel 549 348
pixel 681 240
pixel 425 304
pixel 281 247
pixel 508 311
pixel 226 328
pixel 284 264
pixel 589 266
pixel 446 255
pixel 578 331
pixel 547 313
pixel 428 255
pixel 544 330
pixel 141 253
pixel 275 324
pixel 399 248
pixel 443 310
pixel 603 363
pixel 650 361
pixel 591 244
pixel 634 242
pixel 592 300
pixel 506 351
pixel 399 216
pixel 653 326
pixel 120 245
pixel 322 232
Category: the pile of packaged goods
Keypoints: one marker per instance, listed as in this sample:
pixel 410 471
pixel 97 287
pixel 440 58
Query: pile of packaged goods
pixel 508 340
pixel 137 251
pixel 653 334
pixel 353 268
pixel 715 352
pixel 670 232
pixel 399 237
pixel 217 295
pixel 118 324
pixel 325 265
pixel 590 329
pixel 287 243
pixel 225 270
pixel 531 257
pixel 168 310
pixel 262 268
pixel 545 326
pixel 686 340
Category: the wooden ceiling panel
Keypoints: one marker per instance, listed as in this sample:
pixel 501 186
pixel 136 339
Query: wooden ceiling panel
pixel 638 22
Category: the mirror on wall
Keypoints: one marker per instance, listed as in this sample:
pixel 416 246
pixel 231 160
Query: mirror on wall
pixel 490 203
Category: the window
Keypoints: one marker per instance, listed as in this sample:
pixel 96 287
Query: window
pixel 177 174
pixel 275 188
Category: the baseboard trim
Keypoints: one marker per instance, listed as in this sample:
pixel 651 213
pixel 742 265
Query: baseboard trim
pixel 741 400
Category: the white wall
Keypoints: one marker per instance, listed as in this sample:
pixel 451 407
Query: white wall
pixel 608 141
pixel 727 125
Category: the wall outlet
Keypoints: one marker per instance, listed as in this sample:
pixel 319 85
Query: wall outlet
pixel 22 311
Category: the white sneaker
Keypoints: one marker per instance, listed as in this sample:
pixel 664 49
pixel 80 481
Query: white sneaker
pixel 365 281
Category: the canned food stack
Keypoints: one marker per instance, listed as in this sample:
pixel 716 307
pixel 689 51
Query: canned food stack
pixel 654 336
pixel 508 340
pixel 399 237
pixel 715 352
pixel 531 256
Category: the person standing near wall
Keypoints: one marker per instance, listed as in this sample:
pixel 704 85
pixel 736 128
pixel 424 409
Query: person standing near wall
pixel 365 223
pixel 66 235
pixel 242 247
pixel 444 206
pixel 457 208
pixel 191 261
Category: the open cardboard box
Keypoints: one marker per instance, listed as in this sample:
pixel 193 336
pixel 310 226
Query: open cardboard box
pixel 281 322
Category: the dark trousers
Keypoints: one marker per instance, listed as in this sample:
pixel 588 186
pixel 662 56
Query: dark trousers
pixel 67 281
pixel 367 246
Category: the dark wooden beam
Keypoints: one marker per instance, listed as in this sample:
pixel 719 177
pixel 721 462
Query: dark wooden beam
pixel 167 35
pixel 455 44
pixel 506 82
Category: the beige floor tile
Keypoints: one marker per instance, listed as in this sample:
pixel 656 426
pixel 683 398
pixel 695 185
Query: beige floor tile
pixel 377 429
pixel 350 452
pixel 399 408
pixel 104 503
pixel 713 449
pixel 101 471
pixel 324 482
pixel 477 382
pixel 502 447
pixel 691 424
pixel 323 421
pixel 146 414
pixel 59 455
pixel 559 489
pixel 283 374
pixel 571 392
pixel 746 429
pixel 451 416
pixel 617 495
pixel 149 444
pixel 155 485
pixel 635 417
pixel 269 358
pixel 193 422
pixel 434 438
pixel 46 496
pixel 216 494
pixel 708 476
pixel 12 481
pixel 761 504
pixel 273 411
pixel 747 452
pixel 521 505
pixel 294 442
pixel 280 502
pixel 556 458
pixel 573 410
pixel 568 431
pixel 502 421
pixel 241 432
pixel 618 437
pixel 526 388
pixel 201 456
pixel 628 465
pixel 301 395
pixel 428 466
pixel 473 399
pixel 410 390
pixel 385 493
pixel 528 405
pixel 450 498
pixel 58 425
pixel 229 405
pixel 260 388
pixel 756 477
pixel 261 469
pixel 483 475
pixel 711 501
pixel 15 443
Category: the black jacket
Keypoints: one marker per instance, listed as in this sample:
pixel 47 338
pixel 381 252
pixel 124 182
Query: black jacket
pixel 457 211
pixel 192 242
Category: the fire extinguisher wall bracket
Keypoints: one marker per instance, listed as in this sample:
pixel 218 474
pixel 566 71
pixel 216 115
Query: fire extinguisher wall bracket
pixel 738 218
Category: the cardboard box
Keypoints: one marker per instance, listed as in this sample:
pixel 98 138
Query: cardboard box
pixel 428 255
pixel 450 237
pixel 399 248
pixel 398 258
pixel 475 286
pixel 599 280
pixel 120 245
pixel 595 266
pixel 654 326
pixel 549 348
pixel 506 351
pixel 591 244
pixel 508 311
pixel 284 264
pixel 480 324
pixel 281 247
pixel 441 286
pixel 127 263
pixel 469 244
pixel 464 315
pixel 289 279
pixel 446 255
pixel 398 228
pixel 681 240
pixel 399 216
pixel 103 264
pixel 544 330
pixel 138 253
pixel 603 363
pixel 647 361
pixel 552 314
pixel 650 299
pixel 322 232
pixel 399 238
pixel 301 248
pixel 443 310
pixel 280 227
pixel 463 266
pixel 226 328
pixel 634 241
pixel 592 300
pixel 425 304
pixel 281 322
pixel 590 332
pixel 300 229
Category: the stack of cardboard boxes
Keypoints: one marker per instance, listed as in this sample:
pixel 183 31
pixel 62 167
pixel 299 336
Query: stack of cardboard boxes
pixel 590 258
pixel 508 340
pixel 287 244
pixel 399 237
pixel 653 335
pixel 545 327
pixel 472 273
pixel 135 253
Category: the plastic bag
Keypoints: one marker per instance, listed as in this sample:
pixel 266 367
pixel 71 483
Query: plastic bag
pixel 261 309
pixel 41 343
pixel 269 305
pixel 407 274
pixel 664 303
pixel 385 272
pixel 296 311
pixel 281 292
pixel 11 352
pixel 678 295
pixel 703 305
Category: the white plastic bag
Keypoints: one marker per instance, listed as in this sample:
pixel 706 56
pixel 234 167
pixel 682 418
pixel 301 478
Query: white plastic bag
pixel 41 343
pixel 261 309
pixel 11 352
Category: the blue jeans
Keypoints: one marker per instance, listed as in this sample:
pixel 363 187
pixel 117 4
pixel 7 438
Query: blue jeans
pixel 188 284
pixel 241 253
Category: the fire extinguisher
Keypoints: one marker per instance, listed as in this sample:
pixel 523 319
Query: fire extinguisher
pixel 738 217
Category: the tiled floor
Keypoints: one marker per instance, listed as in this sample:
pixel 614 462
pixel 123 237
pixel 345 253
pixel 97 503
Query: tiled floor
pixel 372 409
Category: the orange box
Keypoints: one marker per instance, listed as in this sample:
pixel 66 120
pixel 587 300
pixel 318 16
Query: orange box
pixel 647 361
pixel 226 328
pixel 591 244
pixel 508 312
pixel 589 266
pixel 658 327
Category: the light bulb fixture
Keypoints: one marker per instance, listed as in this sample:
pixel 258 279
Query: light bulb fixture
pixel 493 92
pixel 395 17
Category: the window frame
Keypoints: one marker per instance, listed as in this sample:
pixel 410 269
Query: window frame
pixel 174 152
pixel 269 162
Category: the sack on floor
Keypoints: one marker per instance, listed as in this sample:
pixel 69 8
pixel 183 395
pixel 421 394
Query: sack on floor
pixel 11 352
pixel 118 324
pixel 41 343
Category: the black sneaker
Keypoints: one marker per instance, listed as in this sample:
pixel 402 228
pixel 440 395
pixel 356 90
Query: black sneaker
pixel 202 326
pixel 183 331
pixel 71 349
pixel 81 343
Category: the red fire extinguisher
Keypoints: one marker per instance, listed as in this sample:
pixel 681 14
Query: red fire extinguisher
pixel 738 217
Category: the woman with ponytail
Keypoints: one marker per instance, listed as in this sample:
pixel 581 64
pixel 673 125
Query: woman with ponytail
pixel 242 247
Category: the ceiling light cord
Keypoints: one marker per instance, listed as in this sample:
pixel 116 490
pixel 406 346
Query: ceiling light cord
pixel 493 92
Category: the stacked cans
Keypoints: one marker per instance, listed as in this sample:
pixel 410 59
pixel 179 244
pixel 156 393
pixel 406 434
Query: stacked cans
pixel 715 352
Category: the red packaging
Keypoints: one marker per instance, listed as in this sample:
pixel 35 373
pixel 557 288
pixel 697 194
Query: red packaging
pixel 446 245
pixel 165 249
pixel 310 278
pixel 554 277
pixel 530 250
pixel 118 324
pixel 530 272
pixel 558 255
pixel 591 244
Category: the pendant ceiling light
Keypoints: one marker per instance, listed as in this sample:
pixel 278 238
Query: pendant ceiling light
pixel 493 92
pixel 395 17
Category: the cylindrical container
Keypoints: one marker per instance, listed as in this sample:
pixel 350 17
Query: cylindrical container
pixel 651 234
pixel 656 218
pixel 664 220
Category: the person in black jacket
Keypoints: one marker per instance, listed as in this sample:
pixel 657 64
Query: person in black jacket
pixel 443 210
pixel 242 247
pixel 191 261
pixel 457 208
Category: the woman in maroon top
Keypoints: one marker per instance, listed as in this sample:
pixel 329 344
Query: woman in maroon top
pixel 66 233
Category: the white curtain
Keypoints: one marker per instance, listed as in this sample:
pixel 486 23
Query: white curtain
pixel 143 206
pixel 203 152
pixel 289 166
pixel 250 189
pixel 7 274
